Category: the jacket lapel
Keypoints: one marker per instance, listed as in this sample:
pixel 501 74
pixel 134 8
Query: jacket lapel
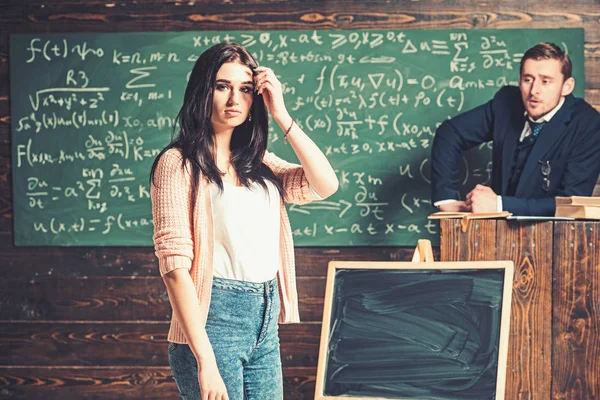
pixel 517 123
pixel 549 136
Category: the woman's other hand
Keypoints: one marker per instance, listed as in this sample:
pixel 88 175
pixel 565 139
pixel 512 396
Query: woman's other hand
pixel 212 386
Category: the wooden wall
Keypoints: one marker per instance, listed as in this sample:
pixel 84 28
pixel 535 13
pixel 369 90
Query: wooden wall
pixel 91 322
pixel 554 338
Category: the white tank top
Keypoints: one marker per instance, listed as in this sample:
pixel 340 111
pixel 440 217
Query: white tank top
pixel 246 227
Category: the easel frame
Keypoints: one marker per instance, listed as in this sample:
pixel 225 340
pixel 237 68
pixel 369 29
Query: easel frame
pixel 422 252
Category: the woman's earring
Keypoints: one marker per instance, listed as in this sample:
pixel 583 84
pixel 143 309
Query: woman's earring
pixel 249 117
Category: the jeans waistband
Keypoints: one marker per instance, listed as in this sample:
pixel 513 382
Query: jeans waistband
pixel 245 287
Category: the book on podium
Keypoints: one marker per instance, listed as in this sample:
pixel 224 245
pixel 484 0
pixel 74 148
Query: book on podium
pixel 579 207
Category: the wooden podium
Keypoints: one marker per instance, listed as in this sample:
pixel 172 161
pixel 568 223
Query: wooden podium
pixel 554 343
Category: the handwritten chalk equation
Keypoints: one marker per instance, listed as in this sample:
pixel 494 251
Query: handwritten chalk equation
pixel 90 113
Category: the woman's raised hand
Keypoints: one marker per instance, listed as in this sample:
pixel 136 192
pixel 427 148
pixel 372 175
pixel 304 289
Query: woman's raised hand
pixel 267 85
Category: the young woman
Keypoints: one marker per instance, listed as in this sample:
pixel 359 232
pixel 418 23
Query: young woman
pixel 222 235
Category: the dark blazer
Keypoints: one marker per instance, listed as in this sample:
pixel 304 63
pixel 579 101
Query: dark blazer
pixel 570 142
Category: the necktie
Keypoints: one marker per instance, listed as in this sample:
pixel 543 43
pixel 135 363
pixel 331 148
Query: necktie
pixel 536 127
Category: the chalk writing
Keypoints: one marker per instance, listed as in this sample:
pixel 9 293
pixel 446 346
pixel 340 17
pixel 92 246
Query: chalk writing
pixel 91 112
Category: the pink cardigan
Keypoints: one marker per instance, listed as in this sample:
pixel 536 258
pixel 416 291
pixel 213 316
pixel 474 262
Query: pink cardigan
pixel 183 237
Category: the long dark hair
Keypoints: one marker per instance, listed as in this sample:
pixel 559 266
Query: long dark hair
pixel 196 137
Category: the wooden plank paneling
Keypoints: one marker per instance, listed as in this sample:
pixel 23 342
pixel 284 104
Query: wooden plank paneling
pixel 6 208
pixel 37 262
pixel 292 15
pixel 576 320
pixel 591 56
pixel 529 353
pixel 4 120
pixel 300 344
pixel 314 261
pixel 299 383
pixel 65 355
pixel 85 299
pixel 592 96
pixel 473 245
pixel 107 344
pixel 132 383
pixel 47 383
pixel 339 4
pixel 83 344
pixel 115 299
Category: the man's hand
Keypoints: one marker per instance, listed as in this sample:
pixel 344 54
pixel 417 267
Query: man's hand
pixel 454 206
pixel 482 199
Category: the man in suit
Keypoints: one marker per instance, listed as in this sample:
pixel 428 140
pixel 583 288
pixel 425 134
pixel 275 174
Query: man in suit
pixel 546 143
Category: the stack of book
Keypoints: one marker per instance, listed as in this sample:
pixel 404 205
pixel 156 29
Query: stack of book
pixel 579 207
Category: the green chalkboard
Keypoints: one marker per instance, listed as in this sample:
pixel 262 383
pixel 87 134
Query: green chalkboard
pixel 91 111
pixel 394 330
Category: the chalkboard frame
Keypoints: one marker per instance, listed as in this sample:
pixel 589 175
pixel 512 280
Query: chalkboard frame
pixel 335 266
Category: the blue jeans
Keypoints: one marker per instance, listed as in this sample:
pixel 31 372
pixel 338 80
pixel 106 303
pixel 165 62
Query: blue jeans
pixel 243 331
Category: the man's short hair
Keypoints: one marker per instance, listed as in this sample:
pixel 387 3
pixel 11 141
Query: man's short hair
pixel 549 51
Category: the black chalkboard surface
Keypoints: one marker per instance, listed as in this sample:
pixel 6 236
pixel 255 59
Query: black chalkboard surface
pixel 408 331
pixel 89 112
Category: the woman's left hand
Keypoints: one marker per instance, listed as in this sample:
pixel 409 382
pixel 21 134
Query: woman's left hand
pixel 267 85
